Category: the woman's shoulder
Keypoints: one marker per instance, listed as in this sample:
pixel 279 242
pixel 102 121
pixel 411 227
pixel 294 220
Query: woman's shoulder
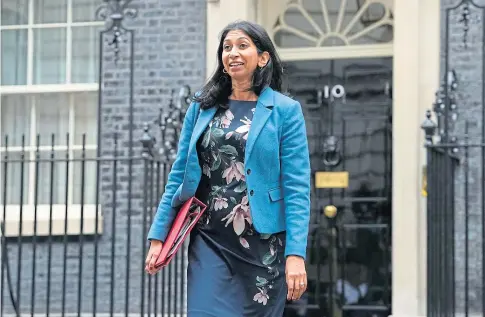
pixel 285 102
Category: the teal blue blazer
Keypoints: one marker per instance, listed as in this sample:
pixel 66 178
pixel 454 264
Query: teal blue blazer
pixel 277 170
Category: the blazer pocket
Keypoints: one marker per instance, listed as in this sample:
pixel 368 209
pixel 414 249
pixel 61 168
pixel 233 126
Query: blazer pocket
pixel 275 194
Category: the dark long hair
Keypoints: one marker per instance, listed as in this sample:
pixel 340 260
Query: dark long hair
pixel 217 90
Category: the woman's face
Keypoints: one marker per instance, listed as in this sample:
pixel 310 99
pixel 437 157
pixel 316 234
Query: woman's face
pixel 240 56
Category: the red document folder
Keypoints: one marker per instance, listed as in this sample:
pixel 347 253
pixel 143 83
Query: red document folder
pixel 187 216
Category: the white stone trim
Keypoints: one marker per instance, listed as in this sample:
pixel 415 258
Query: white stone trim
pixel 53 88
pixel 416 75
pixel 49 25
pixel 335 52
pixel 58 216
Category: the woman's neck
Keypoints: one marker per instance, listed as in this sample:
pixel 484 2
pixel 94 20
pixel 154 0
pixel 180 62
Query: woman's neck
pixel 240 91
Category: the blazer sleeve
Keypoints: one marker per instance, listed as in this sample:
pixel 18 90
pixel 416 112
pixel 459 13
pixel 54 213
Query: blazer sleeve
pixel 166 213
pixel 295 169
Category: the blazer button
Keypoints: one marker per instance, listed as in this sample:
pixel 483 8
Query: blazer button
pixel 248 171
pixel 251 192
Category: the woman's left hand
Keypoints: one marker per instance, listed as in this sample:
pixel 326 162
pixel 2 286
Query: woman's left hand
pixel 295 277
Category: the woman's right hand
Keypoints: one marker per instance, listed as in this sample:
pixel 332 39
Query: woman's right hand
pixel 153 253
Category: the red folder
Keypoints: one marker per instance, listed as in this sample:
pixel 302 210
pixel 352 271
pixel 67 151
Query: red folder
pixel 187 216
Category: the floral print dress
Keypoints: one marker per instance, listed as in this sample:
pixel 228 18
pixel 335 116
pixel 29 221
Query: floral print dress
pixel 233 269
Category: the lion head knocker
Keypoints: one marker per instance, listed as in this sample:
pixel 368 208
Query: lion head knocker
pixel 331 151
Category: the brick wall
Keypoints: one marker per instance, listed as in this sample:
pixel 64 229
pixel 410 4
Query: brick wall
pixel 169 38
pixel 467 62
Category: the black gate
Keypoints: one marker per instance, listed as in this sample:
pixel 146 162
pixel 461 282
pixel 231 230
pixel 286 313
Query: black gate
pixel 455 172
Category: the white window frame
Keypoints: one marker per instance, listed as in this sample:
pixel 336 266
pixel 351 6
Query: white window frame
pixel 13 210
pixel 30 27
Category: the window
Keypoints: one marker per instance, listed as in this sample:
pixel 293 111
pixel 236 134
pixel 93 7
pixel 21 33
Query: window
pixel 67 117
pixel 49 41
pixel 48 85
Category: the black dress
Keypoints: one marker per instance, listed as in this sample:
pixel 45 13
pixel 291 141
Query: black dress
pixel 233 270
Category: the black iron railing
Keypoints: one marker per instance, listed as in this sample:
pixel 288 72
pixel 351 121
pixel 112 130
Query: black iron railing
pixel 64 247
pixel 455 228
pixel 455 174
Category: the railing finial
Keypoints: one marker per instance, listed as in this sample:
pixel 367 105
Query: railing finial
pixel 429 127
pixel 147 141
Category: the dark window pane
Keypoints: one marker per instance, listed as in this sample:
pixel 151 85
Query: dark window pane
pixel 84 10
pixel 84 193
pixel 85 118
pixel 14 12
pixel 14 57
pixel 52 178
pixel 52 117
pixel 50 56
pixel 15 123
pixel 85 54
pixel 50 11
pixel 14 179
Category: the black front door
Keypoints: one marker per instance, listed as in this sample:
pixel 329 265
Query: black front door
pixel 348 111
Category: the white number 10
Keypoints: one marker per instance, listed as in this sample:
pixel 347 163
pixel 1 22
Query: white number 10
pixel 337 91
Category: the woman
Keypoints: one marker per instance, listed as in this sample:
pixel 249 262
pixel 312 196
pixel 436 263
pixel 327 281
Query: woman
pixel 243 151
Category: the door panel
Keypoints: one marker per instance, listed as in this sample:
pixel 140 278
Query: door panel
pixel 348 111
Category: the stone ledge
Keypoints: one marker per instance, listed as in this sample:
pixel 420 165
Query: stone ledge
pixel 58 218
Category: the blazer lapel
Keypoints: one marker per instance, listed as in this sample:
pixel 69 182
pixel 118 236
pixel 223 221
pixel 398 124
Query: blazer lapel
pixel 202 122
pixel 261 115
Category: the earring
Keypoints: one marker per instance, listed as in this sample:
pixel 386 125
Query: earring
pixel 224 71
